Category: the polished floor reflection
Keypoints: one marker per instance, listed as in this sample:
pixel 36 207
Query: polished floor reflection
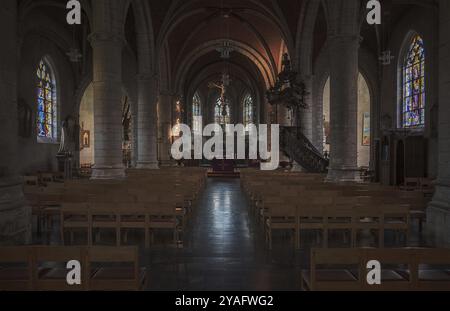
pixel 223 250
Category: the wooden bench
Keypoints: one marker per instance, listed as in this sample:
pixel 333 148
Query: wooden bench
pixel 142 189
pixel 402 269
pixel 324 215
pixel 347 207
pixel 43 268
pixel 90 218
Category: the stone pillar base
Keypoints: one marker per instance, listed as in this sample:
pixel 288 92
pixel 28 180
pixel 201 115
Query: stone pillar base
pixel 147 165
pixel 438 217
pixel 15 215
pixel 340 175
pixel 99 173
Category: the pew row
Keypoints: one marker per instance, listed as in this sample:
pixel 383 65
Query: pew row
pixel 44 268
pixel 406 269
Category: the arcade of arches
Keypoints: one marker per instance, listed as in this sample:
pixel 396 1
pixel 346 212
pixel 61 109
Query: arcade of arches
pixel 106 94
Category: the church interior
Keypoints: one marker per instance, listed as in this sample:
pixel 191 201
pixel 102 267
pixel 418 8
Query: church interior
pixel 90 113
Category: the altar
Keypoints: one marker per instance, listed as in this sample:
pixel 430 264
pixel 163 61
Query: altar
pixel 223 168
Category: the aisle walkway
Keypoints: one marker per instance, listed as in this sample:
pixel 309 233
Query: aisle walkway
pixel 222 251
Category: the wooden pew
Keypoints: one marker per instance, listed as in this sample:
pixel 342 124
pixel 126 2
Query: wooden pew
pixel 44 268
pixel 402 269
pixel 75 217
pixel 346 207
pixel 108 276
pixel 15 269
pixel 49 268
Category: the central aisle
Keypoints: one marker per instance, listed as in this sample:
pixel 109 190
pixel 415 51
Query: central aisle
pixel 222 227
pixel 223 250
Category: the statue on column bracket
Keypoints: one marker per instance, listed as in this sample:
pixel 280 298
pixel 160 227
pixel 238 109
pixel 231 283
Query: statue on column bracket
pixel 65 153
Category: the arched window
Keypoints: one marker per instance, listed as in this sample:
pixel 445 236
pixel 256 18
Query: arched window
pixel 222 111
pixel 46 101
pixel 413 97
pixel 249 110
pixel 196 112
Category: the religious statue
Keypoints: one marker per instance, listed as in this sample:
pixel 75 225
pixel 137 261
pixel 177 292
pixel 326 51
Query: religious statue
pixel 62 144
pixel 65 151
pixel 223 90
pixel 221 87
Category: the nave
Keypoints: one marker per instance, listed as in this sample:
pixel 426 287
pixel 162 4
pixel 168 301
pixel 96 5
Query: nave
pixel 221 250
pixel 223 247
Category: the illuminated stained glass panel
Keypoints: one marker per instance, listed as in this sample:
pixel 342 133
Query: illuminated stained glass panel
pixel 46 101
pixel 414 99
pixel 221 114
pixel 248 110
pixel 196 112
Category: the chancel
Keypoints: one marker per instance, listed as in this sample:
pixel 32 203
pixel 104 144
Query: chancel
pixel 95 171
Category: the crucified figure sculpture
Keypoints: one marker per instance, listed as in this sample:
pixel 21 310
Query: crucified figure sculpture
pixel 221 87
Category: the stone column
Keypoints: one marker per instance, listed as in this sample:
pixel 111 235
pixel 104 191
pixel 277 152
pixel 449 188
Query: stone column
pixel 147 123
pixel 165 128
pixel 306 114
pixel 438 213
pixel 343 108
pixel 15 216
pixel 107 67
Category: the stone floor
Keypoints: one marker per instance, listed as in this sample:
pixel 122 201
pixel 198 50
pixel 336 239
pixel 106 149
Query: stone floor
pixel 223 249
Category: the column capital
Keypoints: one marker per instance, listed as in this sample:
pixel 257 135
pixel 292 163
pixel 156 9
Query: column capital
pixel 101 37
pixel 344 37
pixel 147 77
pixel 167 93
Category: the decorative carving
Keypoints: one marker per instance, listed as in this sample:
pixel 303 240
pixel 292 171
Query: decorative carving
pixel 302 151
pixel 288 90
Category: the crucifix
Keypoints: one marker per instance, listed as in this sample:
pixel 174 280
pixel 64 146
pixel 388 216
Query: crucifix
pixel 223 89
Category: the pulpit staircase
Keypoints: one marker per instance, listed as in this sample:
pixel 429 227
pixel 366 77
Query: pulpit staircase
pixel 298 147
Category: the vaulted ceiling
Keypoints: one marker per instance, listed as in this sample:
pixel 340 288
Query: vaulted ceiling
pixel 192 31
pixel 186 34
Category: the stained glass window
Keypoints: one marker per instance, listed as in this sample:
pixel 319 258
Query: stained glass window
pixel 46 100
pixel 222 112
pixel 413 100
pixel 248 110
pixel 196 112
